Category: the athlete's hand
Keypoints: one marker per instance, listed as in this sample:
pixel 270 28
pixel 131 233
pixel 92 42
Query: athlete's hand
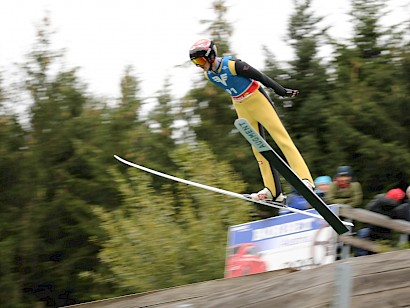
pixel 291 93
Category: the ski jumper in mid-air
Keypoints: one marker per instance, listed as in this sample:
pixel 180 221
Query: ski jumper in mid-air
pixel 251 102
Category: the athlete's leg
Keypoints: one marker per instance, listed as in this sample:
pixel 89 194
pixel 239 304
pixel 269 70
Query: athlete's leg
pixel 262 111
pixel 269 175
pixel 276 177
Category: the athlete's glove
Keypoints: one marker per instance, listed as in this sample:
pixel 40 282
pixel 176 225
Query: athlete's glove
pixel 291 93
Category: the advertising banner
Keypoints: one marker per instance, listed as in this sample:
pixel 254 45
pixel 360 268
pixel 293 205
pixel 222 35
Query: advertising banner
pixel 291 240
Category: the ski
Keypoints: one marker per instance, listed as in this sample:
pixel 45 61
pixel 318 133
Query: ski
pixel 214 189
pixel 283 168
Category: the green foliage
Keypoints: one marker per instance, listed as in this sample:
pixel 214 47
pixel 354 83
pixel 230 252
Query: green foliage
pixel 15 193
pixel 52 177
pixel 350 113
pixel 219 29
pixel 152 244
pixel 305 116
pixel 367 14
pixel 76 225
pixel 367 124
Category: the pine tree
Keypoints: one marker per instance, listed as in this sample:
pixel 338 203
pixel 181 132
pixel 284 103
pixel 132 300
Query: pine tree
pixel 58 223
pixel 15 197
pixel 152 244
pixel 367 130
pixel 305 116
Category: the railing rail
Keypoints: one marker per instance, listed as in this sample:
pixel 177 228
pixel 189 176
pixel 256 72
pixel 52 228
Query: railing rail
pixel 357 214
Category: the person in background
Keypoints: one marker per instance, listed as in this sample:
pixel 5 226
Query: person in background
pixel 322 185
pixel 296 201
pixel 407 198
pixel 384 204
pixel 244 83
pixel 344 189
pixel 402 211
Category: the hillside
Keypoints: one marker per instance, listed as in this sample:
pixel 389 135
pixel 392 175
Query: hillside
pixel 380 280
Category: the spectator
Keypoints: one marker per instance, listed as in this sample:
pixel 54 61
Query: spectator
pixel 402 211
pixel 385 205
pixel 296 201
pixel 407 197
pixel 322 184
pixel 344 189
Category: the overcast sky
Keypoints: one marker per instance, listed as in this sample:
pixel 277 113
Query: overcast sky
pixel 103 36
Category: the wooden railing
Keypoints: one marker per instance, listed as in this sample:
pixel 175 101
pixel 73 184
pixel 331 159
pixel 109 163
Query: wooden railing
pixel 357 214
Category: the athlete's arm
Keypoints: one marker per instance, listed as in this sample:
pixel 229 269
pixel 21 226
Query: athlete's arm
pixel 244 69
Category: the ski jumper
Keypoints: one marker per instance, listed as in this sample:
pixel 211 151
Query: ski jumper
pixel 251 102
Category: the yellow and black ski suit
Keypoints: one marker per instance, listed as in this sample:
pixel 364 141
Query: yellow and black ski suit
pixel 251 102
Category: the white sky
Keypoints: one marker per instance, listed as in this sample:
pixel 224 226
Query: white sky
pixel 103 36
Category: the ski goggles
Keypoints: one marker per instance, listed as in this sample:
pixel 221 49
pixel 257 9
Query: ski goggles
pixel 199 61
